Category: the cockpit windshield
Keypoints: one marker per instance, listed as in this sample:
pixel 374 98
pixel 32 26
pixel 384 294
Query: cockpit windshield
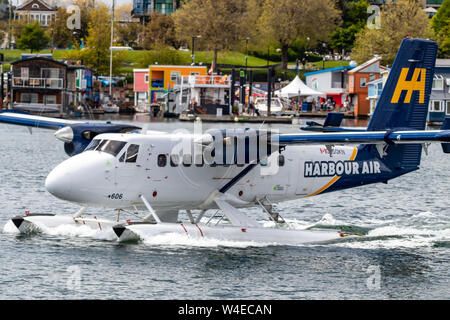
pixel 112 147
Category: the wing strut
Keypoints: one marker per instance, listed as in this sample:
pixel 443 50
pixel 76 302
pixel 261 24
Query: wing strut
pixel 150 209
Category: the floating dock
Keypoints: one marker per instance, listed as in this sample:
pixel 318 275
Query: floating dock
pixel 286 118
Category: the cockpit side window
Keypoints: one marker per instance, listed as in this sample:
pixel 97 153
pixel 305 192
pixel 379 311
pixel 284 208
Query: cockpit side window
pixel 94 143
pixel 132 153
pixel 111 146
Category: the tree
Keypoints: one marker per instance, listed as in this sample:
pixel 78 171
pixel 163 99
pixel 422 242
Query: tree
pixel 86 9
pixel 160 31
pixel 33 37
pixel 354 17
pixel 98 41
pixel 60 34
pixel 217 22
pixel 127 31
pixel 398 19
pixel 283 22
pixel 441 27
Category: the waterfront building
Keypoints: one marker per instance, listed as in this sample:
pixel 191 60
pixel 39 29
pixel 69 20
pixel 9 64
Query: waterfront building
pixel 333 82
pixel 163 78
pixel 141 86
pixel 439 106
pixel 42 84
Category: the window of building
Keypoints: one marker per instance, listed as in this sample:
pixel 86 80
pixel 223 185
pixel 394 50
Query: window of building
pixel 146 78
pixel 29 97
pixel 50 73
pixel 362 82
pixel 438 83
pixel 35 6
pixel 436 106
pixel 447 108
pixel 51 99
pixel 24 73
pixel 175 75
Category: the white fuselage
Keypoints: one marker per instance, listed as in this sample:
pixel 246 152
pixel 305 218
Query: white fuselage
pixel 101 179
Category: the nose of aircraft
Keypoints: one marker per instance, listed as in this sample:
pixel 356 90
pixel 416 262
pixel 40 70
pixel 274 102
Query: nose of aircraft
pixel 81 178
pixel 59 181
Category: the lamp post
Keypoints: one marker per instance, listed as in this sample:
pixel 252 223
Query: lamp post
pixel 193 44
pixel 324 45
pixel 246 52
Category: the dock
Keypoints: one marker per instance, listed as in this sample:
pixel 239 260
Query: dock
pixel 286 118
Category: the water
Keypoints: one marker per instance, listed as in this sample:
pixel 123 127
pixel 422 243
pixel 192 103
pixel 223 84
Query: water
pixel 404 255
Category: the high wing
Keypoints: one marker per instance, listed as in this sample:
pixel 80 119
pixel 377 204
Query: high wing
pixel 374 137
pixel 76 135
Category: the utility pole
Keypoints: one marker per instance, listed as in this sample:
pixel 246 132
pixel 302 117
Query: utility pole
pixel 246 52
pixel 193 46
pixel 9 23
pixel 111 51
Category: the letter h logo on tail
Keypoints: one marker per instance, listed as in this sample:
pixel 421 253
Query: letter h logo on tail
pixel 417 83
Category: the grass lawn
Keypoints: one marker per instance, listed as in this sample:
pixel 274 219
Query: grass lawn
pixel 135 58
pixel 330 64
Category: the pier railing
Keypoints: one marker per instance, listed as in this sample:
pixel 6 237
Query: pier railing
pixel 46 83
pixel 196 80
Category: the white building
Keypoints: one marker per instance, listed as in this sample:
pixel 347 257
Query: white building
pixel 35 10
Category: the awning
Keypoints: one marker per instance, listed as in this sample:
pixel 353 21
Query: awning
pixel 296 88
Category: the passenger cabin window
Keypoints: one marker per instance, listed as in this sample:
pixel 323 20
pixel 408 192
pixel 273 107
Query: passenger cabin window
pixel 162 160
pixel 281 160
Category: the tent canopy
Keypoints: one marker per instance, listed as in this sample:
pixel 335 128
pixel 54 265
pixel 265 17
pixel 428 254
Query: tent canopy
pixel 296 88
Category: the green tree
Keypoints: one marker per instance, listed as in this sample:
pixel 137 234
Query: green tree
pixel 398 19
pixel 354 17
pixel 283 22
pixel 60 34
pixel 97 53
pixel 33 38
pixel 160 31
pixel 440 24
pixel 219 23
pixel 128 33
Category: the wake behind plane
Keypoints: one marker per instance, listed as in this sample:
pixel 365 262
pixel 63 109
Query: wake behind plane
pixel 228 170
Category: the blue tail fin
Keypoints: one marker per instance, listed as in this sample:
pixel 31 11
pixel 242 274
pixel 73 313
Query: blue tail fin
pixel 403 104
pixel 404 101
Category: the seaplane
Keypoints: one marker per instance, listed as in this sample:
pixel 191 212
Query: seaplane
pixel 226 171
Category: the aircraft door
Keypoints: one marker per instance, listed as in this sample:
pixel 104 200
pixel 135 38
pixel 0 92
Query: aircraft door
pixel 274 176
pixel 130 166
pixel 303 186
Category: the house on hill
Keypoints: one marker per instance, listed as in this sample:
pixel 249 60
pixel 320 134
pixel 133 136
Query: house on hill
pixel 35 10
